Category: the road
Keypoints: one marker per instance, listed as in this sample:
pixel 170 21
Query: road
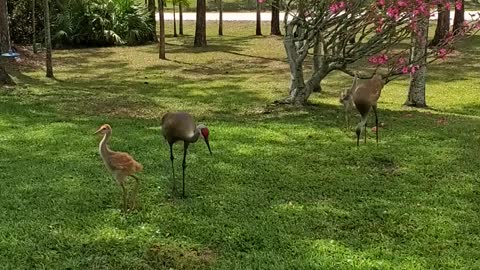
pixel 266 16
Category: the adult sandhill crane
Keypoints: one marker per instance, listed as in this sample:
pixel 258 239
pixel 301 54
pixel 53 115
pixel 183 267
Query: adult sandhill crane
pixel 364 95
pixel 180 126
pixel 120 164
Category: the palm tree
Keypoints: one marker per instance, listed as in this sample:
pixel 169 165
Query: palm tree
pixel 220 17
pixel 34 27
pixel 151 9
pixel 443 25
pixel 161 40
pixel 174 19
pixel 48 40
pixel 180 15
pixel 201 25
pixel 258 30
pixel 4 30
pixel 275 23
pixel 459 18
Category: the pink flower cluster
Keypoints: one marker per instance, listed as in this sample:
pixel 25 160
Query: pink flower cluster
pixel 337 7
pixel 381 59
pixel 411 69
pixel 442 53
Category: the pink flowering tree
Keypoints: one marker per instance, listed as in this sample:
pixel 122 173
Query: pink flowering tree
pixel 321 31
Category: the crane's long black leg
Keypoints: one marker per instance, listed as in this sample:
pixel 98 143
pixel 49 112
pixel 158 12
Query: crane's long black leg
pixel 365 132
pixel 184 165
pixel 174 188
pixel 376 121
pixel 358 131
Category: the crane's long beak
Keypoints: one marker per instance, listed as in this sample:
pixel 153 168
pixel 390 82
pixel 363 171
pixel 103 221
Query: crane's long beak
pixel 96 132
pixel 208 145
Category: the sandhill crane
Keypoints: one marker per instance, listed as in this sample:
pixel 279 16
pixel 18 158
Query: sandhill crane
pixel 120 164
pixel 364 95
pixel 180 126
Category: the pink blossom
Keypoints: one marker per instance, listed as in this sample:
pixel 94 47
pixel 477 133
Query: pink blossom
pixel 458 4
pixel 381 59
pixel 381 3
pixel 414 69
pixel 402 3
pixel 442 53
pixel 393 12
pixel 337 7
pixel 405 70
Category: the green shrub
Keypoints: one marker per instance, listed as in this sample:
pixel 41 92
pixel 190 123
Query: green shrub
pixel 101 23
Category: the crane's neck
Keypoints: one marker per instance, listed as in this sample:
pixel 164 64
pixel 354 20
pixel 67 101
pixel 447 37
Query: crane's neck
pixel 103 147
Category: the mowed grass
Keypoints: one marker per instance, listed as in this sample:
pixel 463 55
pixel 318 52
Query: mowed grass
pixel 283 190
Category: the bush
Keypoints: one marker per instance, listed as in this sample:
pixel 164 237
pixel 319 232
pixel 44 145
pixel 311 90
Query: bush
pixel 101 23
pixel 20 20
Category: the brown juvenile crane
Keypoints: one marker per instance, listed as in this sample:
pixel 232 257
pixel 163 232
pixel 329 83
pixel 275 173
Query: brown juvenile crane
pixel 120 164
pixel 364 95
pixel 180 126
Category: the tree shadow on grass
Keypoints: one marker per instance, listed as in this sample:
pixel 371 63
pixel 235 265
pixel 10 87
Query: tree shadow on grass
pixel 288 188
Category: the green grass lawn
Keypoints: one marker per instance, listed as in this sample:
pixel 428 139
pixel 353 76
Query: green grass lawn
pixel 284 190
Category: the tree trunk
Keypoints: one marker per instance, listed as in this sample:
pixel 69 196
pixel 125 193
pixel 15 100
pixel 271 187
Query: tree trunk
pixel 258 30
pixel 5 79
pixel 443 26
pixel 4 30
pixel 174 22
pixel 220 17
pixel 180 14
pixel 34 27
pixel 151 9
pixel 201 25
pixel 459 19
pixel 275 23
pixel 416 91
pixel 48 41
pixel 316 61
pixel 161 39
pixel 300 90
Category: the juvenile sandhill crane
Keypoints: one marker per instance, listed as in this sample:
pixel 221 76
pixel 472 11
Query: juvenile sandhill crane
pixel 364 95
pixel 120 164
pixel 180 126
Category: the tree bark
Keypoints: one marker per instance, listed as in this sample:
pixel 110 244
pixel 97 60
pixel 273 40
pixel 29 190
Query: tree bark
pixel 48 41
pixel 180 15
pixel 459 19
pixel 258 30
pixel 275 23
pixel 5 79
pixel 34 27
pixel 174 21
pixel 4 30
pixel 443 26
pixel 161 39
pixel 201 25
pixel 300 90
pixel 151 9
pixel 416 91
pixel 220 17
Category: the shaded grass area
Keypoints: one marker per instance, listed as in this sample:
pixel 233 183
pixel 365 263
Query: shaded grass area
pixel 283 190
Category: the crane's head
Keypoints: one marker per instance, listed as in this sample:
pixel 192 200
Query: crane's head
pixel 204 133
pixel 104 129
